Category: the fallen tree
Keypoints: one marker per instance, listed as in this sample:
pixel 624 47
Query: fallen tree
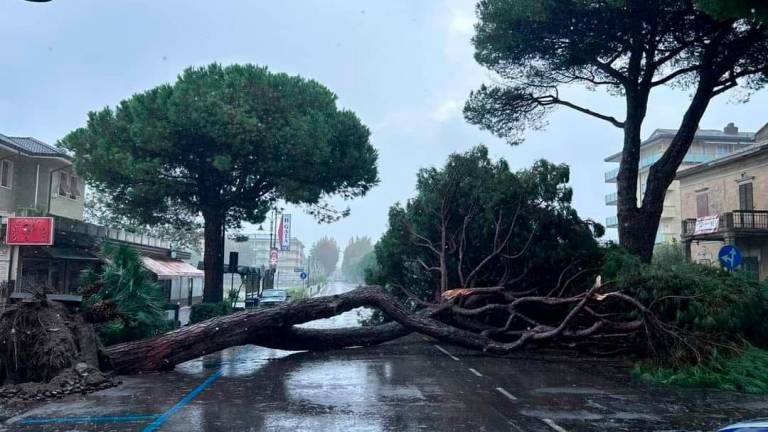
pixel 529 320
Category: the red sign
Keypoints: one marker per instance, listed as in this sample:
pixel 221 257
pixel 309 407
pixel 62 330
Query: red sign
pixel 29 231
pixel 273 258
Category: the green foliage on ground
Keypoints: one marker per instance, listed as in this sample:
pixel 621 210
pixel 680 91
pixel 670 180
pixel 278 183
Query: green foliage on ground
pixel 126 295
pixel 696 298
pixel 204 311
pixel 721 315
pixel 745 370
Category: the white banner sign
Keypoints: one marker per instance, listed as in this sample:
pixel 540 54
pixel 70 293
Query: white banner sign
pixel 707 225
pixel 284 232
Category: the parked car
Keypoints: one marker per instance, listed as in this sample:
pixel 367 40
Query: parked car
pixel 273 297
pixel 757 425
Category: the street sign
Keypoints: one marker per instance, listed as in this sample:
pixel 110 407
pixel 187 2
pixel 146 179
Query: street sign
pixel 730 257
pixel 298 269
pixel 273 258
pixel 26 231
pixel 303 275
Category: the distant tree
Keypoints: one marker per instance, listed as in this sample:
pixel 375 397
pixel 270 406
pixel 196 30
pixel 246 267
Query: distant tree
pixel 629 48
pixel 225 143
pixel 356 249
pixel 186 234
pixel 326 252
pixel 475 223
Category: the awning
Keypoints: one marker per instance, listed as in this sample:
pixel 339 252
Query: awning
pixel 170 268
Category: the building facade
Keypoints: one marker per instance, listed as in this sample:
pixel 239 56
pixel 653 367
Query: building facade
pixel 708 145
pixel 37 179
pixel 255 252
pixel 732 191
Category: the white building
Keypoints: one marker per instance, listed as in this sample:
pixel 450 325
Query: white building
pixel 709 144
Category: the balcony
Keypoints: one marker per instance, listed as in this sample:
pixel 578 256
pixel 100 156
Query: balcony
pixel 72 226
pixel 611 199
pixel 737 223
pixel 610 176
pixel 612 222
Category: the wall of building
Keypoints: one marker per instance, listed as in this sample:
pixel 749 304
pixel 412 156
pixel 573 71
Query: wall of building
pixel 8 196
pixel 62 205
pixel 33 174
pixel 721 184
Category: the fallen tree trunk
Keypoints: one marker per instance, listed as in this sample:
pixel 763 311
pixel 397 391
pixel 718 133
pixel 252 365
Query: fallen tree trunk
pixel 274 328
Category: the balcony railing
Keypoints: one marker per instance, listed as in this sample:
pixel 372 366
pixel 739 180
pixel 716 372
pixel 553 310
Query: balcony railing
pixel 98 231
pixel 611 198
pixel 610 176
pixel 736 220
pixel 750 220
pixel 612 222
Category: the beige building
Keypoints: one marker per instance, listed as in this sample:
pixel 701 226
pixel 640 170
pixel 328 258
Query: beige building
pixel 732 192
pixel 709 144
pixel 37 179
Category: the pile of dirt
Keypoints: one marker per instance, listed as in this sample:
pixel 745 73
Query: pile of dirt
pixel 47 351
pixel 81 378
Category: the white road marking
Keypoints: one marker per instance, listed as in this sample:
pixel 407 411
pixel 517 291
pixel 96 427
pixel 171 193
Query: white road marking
pixel 553 425
pixel 506 393
pixel 446 352
pixel 475 372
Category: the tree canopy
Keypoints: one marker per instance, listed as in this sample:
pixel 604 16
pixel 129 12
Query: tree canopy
pixel 226 143
pixel 357 248
pixel 750 9
pixel 326 252
pixel 628 48
pixel 475 223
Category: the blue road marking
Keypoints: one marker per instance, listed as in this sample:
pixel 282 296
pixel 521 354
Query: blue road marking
pixel 88 419
pixel 180 404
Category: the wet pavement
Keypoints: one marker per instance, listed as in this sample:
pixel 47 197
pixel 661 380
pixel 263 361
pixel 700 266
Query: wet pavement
pixel 413 384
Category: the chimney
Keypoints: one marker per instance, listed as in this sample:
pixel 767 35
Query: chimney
pixel 731 129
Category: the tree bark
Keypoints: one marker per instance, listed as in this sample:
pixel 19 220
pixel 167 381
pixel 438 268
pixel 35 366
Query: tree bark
pixel 274 328
pixel 213 259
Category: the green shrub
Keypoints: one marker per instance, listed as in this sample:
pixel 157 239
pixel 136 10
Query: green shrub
pixel 124 295
pixel 298 293
pixel 204 311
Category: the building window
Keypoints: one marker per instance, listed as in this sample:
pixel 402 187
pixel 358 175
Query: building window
pixel 69 186
pixel 702 205
pixel 6 173
pixel 746 201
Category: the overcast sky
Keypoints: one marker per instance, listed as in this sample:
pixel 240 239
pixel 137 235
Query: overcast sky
pixel 404 66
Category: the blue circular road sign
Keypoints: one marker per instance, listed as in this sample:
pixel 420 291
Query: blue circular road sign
pixel 730 257
pixel 303 275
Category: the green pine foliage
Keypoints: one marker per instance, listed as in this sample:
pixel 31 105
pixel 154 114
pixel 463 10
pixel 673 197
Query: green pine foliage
pixel 696 298
pixel 721 314
pixel 744 370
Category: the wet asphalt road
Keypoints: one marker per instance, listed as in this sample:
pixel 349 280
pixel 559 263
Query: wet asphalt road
pixel 413 384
